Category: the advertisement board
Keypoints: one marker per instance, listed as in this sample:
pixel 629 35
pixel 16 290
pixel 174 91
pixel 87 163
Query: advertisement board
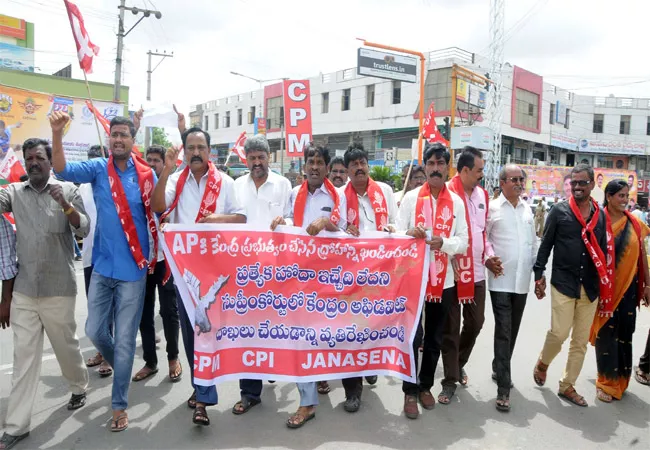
pixel 297 116
pixel 14 57
pixel 612 147
pixel 375 63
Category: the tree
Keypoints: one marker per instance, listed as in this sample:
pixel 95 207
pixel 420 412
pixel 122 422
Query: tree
pixel 379 173
pixel 159 137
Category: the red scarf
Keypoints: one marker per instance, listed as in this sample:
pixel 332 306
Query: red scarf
pixel 465 282
pixel 210 196
pixel 607 309
pixel 441 227
pixel 377 199
pixel 146 182
pixel 604 265
pixel 301 202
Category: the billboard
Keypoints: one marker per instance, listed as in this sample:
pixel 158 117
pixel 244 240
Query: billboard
pixel 12 27
pixel 24 114
pixel 560 113
pixel 297 115
pixel 471 93
pixel 551 181
pixel 374 63
pixel 14 57
pixel 260 126
pixel 612 147
pixel 564 141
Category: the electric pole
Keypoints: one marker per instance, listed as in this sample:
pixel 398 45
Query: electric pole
pixel 147 135
pixel 120 40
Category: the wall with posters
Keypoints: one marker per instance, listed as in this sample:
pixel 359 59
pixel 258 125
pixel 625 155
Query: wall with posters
pixel 24 114
pixel 550 181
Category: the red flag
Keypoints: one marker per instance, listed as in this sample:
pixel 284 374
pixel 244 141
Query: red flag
pixel 238 148
pixel 86 50
pixel 430 130
pixel 10 168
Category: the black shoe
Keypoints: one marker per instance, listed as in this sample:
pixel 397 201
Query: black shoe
pixel 352 404
pixel 494 377
pixel 371 379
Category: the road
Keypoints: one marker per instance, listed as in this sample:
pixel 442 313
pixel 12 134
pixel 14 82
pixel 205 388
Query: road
pixel 159 418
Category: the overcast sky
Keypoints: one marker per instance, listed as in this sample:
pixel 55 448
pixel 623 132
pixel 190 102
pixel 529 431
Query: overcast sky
pixel 595 46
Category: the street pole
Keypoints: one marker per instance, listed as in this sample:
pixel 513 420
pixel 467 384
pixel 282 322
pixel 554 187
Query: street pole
pixel 118 58
pixel 147 131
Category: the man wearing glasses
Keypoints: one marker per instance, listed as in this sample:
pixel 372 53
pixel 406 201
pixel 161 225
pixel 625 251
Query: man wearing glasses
pixel 338 173
pixel 575 280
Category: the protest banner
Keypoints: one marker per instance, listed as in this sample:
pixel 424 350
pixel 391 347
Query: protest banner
pixel 297 116
pixel 24 114
pixel 288 306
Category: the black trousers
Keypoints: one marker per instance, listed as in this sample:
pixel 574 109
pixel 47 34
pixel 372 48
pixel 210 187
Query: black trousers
pixel 353 386
pixel 644 362
pixel 508 310
pixel 168 312
pixel 435 316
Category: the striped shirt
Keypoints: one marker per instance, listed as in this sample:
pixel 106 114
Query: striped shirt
pixel 8 266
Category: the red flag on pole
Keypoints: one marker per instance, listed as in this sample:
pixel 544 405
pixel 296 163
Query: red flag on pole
pixel 86 50
pixel 430 130
pixel 238 148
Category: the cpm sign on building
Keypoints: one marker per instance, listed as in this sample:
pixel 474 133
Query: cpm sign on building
pixel 297 116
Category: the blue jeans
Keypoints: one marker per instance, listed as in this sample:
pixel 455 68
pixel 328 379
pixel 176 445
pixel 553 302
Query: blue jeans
pixel 204 394
pixel 308 393
pixel 77 250
pixel 120 302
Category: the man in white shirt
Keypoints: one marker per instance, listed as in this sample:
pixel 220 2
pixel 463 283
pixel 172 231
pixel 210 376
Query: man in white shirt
pixel 511 233
pixel 265 195
pixel 316 206
pixel 433 207
pixel 371 207
pixel 188 196
pixel 168 304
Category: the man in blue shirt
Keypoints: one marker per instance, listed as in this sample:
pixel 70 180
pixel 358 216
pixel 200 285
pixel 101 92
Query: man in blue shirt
pixel 117 283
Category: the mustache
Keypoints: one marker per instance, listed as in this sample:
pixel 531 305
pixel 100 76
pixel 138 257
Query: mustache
pixel 196 158
pixel 360 172
pixel 257 167
pixel 35 169
pixel 435 174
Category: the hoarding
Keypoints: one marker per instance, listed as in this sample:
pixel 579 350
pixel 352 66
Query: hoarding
pixel 375 63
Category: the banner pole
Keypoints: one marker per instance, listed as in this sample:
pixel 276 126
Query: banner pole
pixel 90 99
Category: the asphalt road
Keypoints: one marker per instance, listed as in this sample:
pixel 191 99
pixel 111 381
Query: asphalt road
pixel 159 418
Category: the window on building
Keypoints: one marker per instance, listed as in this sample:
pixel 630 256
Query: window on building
pixel 325 103
pixel 273 112
pixel 641 163
pixel 240 113
pixel 251 115
pixel 370 96
pixel 624 127
pixel 216 121
pixel 345 100
pixel 551 117
pixel 539 155
pixel 206 123
pixel 567 121
pixel 606 162
pixel 226 120
pixel 526 109
pixel 599 123
pixel 397 92
pixel 647 128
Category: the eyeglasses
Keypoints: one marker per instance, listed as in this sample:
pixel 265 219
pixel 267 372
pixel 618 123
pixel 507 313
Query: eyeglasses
pixel 515 179
pixel 581 183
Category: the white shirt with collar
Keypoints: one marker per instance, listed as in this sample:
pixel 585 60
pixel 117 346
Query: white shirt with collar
pixel 367 220
pixel 511 231
pixel 86 192
pixel 319 204
pixel 458 239
pixel 271 200
pixel 189 202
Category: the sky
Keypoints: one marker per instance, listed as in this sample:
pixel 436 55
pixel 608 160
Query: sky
pixel 589 46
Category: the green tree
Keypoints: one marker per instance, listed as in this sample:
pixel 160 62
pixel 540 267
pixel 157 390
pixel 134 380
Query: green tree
pixel 379 173
pixel 159 137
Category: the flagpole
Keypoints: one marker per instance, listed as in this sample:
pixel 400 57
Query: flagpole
pixel 90 99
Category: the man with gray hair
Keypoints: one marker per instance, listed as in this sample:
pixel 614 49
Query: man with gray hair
pixel 265 195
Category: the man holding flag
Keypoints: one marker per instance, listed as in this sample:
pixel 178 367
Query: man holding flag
pixel 198 193
pixel 122 187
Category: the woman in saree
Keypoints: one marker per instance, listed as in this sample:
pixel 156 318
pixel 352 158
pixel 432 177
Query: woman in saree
pixel 614 323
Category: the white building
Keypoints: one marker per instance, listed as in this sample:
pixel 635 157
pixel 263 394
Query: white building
pixel 544 123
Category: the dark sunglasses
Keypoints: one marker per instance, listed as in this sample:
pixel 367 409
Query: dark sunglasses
pixel 516 179
pixel 581 183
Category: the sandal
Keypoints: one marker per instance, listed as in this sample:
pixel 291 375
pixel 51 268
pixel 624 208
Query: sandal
pixel 7 441
pixel 175 371
pixel 105 369
pixel 302 419
pixel 464 379
pixel 539 373
pixel 445 396
pixel 144 373
pixel 200 416
pixel 246 403
pixel 115 427
pixel 191 402
pixel 77 401
pixel 641 377
pixel 503 403
pixel 603 396
pixel 572 396
pixel 323 388
pixel 95 360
